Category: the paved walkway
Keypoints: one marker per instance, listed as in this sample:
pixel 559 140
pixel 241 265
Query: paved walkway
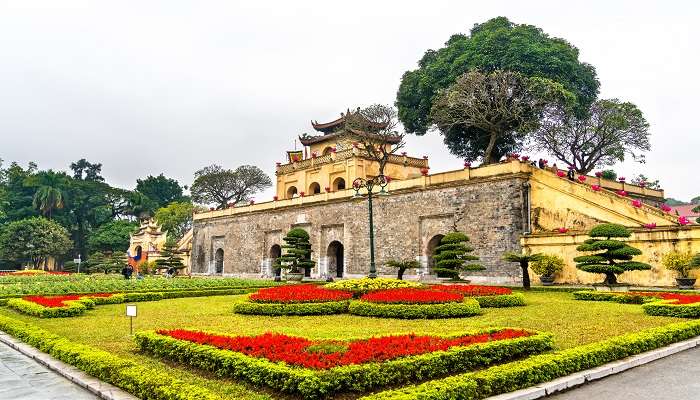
pixel 25 379
pixel 671 378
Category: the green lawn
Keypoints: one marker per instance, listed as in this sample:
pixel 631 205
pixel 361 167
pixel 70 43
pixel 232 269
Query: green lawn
pixel 572 322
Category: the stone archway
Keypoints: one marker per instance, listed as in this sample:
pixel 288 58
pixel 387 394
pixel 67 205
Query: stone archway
pixel 338 184
pixel 430 251
pixel 314 188
pixel 336 259
pixel 275 253
pixel 291 191
pixel 219 261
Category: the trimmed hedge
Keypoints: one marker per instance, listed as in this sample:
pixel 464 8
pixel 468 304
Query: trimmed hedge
pixel 541 368
pixel 628 297
pixel 501 300
pixel 366 285
pixel 316 384
pixel 275 309
pixel 668 309
pixel 467 308
pixel 78 307
pixel 142 382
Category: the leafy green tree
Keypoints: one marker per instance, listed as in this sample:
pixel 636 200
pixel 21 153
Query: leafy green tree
pixel 297 252
pixel 94 263
pixel 614 257
pixel 452 254
pixel 524 260
pixel 695 200
pixel 497 44
pixel 170 257
pixel 139 205
pixel 115 262
pixel 610 131
pixel 35 240
pixel 609 174
pixel 18 195
pixel 113 236
pixel 402 265
pixel 160 190
pixel 85 170
pixel 487 115
pixel 176 218
pixel 216 185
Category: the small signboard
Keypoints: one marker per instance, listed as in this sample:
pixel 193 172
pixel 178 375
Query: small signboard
pixel 131 310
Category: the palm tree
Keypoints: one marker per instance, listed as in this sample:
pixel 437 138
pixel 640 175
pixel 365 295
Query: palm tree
pixel 50 194
pixel 524 260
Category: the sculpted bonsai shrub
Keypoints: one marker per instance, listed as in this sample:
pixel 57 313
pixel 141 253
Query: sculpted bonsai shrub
pixel 546 266
pixel 297 252
pixel 613 256
pixel 452 255
pixel 524 260
pixel 402 266
pixel 682 263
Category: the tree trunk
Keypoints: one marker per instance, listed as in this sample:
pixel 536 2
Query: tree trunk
pixel 489 149
pixel 610 278
pixel 526 275
pixel 401 271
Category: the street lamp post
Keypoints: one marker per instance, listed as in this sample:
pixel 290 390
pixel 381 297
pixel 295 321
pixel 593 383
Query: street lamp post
pixel 370 185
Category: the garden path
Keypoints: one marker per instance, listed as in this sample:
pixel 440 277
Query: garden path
pixel 25 379
pixel 670 378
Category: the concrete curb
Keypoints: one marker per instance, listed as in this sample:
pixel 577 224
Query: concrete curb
pixel 589 375
pixel 101 389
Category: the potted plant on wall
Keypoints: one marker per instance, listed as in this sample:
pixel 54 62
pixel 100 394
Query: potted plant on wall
pixel 682 263
pixel 546 266
pixel 297 255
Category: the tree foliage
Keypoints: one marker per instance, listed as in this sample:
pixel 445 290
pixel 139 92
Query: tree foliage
pixel 610 131
pixel 159 189
pixel 113 236
pixel 548 265
pixel 87 171
pixel 170 257
pixel 175 218
pixel 297 252
pixel 402 265
pixel 487 115
pixel 643 180
pixel 216 185
pixel 377 131
pixel 452 254
pixel 50 194
pixel 524 261
pixel 497 44
pixel 34 240
pixel 679 262
pixel 613 256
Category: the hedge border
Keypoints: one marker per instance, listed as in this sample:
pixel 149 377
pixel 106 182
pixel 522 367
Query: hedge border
pixel 542 368
pixel 618 297
pixel 80 306
pixel 290 309
pixel 467 308
pixel 142 382
pixel 665 308
pixel 500 300
pixel 316 384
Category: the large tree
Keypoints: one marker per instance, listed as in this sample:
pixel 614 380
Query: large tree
pixel 216 185
pixel 160 189
pixel 611 130
pixel 85 170
pixel 497 44
pixel 50 191
pixel 113 236
pixel 376 129
pixel 34 240
pixel 176 218
pixel 487 115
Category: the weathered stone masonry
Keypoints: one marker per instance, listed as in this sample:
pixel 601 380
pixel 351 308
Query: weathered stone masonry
pixel 492 211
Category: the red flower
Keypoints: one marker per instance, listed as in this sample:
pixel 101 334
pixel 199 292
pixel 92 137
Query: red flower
pixel 275 198
pixel 411 296
pixel 650 225
pixel 622 193
pixel 325 354
pixel 582 178
pixel 424 171
pixel 525 158
pixel 683 221
pixel 301 194
pixel 467 164
pixel 298 294
pixel 596 188
pixel 666 208
pixel 677 298
pixel 327 189
pixel 636 203
pixel 563 230
pixel 598 174
pixel 473 290
pixel 561 174
pixel 59 301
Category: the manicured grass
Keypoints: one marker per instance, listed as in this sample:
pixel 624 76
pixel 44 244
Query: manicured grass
pixel 573 322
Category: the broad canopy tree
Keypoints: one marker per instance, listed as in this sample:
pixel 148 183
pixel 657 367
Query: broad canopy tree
pixel 160 189
pixel 216 185
pixel 34 240
pixel 497 44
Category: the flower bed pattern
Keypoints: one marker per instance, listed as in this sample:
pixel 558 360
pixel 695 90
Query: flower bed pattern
pixel 32 272
pixel 366 364
pixel 298 294
pixel 466 308
pixel 486 296
pixel 670 304
pixel 412 296
pixel 60 301
pixel 366 285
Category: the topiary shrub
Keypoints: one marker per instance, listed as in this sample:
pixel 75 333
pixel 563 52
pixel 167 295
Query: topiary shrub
pixel 297 252
pixel 524 260
pixel 402 266
pixel 614 257
pixel 452 254
pixel 548 265
pixel 679 262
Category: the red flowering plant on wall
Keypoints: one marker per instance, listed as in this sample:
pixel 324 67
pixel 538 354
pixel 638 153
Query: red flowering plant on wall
pixel 596 188
pixel 60 301
pixel 683 220
pixel 666 208
pixel 563 230
pixel 411 296
pixel 561 174
pixel 581 178
pixel 636 203
pixel 598 174
pixel 621 193
pixel 298 294
pixel 473 290
pixel 651 225
pixel 325 354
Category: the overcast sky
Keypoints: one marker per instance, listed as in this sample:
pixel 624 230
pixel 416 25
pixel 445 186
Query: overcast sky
pixel 146 87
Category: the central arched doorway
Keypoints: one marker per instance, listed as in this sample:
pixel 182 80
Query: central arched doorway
pixel 275 253
pixel 291 192
pixel 430 251
pixel 219 261
pixel 314 188
pixel 336 259
pixel 338 184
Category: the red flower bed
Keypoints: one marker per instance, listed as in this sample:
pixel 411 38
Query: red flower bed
pixel 58 301
pixel 298 294
pixel 411 296
pixel 33 273
pixel 473 290
pixel 679 298
pixel 307 353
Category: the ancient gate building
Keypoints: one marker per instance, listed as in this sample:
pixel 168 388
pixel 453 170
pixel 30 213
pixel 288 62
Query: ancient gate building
pixel 502 207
